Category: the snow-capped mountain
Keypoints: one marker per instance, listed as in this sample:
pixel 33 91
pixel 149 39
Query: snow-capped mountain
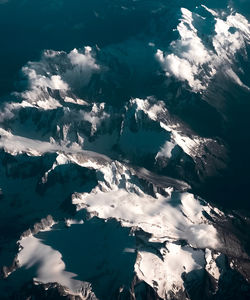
pixel 103 164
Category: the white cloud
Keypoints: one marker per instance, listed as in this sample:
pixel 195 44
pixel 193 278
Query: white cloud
pixel 56 71
pixel 38 94
pixel 180 68
pixel 166 150
pixel 192 62
pixel 84 66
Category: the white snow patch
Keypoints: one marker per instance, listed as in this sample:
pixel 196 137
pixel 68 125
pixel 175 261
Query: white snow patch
pixel 49 263
pixel 95 116
pixel 70 222
pixel 211 11
pixel 75 101
pixel 165 274
pixel 38 94
pixel 48 75
pixel 178 216
pixel 192 62
pixel 191 145
pixel 211 265
pixel 15 144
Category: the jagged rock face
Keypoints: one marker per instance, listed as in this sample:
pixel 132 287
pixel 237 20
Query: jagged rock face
pixel 103 153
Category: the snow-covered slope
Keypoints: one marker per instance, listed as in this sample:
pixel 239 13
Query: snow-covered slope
pixel 99 196
pixel 158 230
pixel 197 61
